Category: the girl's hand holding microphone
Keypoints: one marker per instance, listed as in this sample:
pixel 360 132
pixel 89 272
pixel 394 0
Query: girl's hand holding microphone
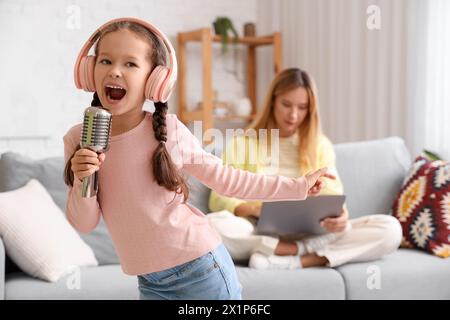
pixel 85 162
pixel 315 185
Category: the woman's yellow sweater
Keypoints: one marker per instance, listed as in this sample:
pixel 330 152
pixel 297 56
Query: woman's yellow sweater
pixel 246 153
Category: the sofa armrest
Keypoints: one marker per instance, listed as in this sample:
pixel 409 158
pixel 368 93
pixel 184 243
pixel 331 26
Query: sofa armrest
pixel 2 270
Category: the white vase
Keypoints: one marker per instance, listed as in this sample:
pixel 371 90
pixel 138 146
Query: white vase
pixel 243 107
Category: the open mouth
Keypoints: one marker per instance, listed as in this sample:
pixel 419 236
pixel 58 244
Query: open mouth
pixel 115 93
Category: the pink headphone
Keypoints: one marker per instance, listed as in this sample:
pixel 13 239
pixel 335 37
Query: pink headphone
pixel 159 84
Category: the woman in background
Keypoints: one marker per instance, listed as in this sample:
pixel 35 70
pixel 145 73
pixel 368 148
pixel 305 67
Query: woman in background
pixel 291 106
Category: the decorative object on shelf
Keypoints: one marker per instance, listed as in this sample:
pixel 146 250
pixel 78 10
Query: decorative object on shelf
pixel 242 107
pixel 223 109
pixel 222 25
pixel 220 109
pixel 249 29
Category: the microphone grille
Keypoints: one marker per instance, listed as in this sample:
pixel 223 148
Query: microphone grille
pixel 96 129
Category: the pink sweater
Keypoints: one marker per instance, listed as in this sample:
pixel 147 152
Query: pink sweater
pixel 149 230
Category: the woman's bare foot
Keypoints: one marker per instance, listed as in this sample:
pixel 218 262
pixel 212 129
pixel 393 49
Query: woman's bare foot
pixel 289 248
pixel 286 248
pixel 276 262
pixel 313 260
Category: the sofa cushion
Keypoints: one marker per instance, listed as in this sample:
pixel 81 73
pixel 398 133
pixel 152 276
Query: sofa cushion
pixel 372 173
pixel 423 207
pixel 310 283
pixel 198 194
pixel 109 282
pixel 36 235
pixel 87 283
pixel 16 170
pixel 404 274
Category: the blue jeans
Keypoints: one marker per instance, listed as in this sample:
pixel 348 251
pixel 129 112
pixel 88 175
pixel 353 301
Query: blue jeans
pixel 209 277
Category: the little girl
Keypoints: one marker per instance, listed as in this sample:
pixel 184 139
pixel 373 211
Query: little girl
pixel 142 195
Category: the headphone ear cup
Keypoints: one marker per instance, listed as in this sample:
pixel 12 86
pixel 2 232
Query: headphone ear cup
pixel 168 88
pixel 155 83
pixel 86 73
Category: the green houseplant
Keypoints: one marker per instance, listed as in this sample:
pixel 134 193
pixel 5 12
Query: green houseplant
pixel 431 155
pixel 222 25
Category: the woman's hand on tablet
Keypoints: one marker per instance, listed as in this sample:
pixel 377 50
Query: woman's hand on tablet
pixel 337 224
pixel 248 210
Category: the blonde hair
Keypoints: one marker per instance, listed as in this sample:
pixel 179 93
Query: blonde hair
pixel 309 130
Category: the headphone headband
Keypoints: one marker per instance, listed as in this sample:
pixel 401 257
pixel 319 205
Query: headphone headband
pixel 170 59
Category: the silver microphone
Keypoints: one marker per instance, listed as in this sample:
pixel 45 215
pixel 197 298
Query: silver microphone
pixel 94 136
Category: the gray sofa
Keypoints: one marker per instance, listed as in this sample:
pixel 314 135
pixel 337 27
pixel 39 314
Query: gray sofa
pixel 372 173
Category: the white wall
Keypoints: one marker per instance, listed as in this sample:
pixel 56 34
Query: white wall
pixel 39 102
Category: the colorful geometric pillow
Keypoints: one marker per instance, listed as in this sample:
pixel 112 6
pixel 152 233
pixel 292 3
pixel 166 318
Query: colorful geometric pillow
pixel 423 207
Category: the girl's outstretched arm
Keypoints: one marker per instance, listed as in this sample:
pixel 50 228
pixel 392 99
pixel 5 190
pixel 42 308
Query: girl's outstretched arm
pixel 229 181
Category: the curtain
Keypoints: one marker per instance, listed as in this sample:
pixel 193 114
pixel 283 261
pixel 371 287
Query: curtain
pixel 429 77
pixel 360 72
pixel 372 83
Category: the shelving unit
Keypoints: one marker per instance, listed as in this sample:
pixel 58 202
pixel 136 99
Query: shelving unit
pixel 206 37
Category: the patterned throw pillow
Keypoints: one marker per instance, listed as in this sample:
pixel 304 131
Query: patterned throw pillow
pixel 423 207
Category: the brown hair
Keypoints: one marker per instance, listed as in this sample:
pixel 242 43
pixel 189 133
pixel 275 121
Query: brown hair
pixel 309 129
pixel 164 170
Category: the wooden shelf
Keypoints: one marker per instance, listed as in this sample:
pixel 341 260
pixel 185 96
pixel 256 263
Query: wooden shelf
pixel 235 118
pixel 206 38
pixel 197 36
pixel 253 41
pixel 198 115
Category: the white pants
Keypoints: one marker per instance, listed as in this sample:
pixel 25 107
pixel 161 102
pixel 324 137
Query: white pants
pixel 366 238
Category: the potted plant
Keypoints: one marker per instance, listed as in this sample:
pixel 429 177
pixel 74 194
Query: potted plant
pixel 222 25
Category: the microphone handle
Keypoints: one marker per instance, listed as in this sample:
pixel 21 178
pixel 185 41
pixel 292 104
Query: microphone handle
pixel 89 186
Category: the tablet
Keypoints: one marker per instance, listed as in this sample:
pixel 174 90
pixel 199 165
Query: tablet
pixel 296 219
